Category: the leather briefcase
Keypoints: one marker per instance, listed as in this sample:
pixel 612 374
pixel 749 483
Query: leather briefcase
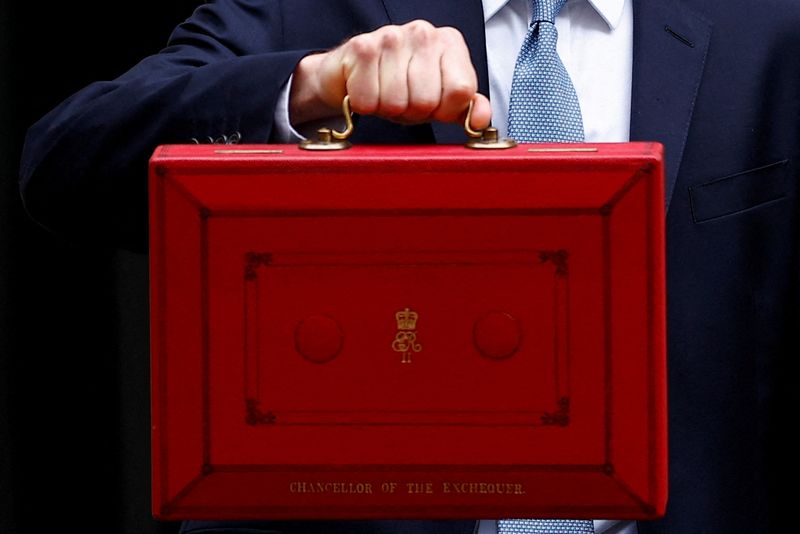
pixel 408 332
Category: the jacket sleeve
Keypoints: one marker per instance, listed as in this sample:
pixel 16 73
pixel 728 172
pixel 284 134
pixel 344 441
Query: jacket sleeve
pixel 84 165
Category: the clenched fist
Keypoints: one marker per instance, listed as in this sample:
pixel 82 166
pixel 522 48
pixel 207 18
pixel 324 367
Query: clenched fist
pixel 410 74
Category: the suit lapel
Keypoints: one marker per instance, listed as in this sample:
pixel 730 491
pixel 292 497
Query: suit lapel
pixel 467 17
pixel 669 51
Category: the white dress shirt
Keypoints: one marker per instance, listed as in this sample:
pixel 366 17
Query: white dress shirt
pixel 595 43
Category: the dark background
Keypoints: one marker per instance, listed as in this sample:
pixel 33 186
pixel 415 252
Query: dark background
pixel 74 354
pixel 74 402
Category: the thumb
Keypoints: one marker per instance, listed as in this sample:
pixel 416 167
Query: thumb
pixel 481 112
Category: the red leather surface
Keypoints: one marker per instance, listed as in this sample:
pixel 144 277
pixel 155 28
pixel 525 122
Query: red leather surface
pixel 408 332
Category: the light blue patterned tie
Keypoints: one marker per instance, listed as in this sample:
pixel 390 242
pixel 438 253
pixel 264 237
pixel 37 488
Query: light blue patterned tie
pixel 544 106
pixel 544 526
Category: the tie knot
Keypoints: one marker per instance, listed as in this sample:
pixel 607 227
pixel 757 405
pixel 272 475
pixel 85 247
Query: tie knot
pixel 546 10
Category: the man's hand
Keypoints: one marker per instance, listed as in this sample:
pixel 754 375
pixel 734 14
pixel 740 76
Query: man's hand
pixel 410 74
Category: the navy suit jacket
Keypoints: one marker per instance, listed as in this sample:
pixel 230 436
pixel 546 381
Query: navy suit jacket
pixel 717 82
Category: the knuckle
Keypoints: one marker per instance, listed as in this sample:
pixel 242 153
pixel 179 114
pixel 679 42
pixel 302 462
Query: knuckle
pixel 363 106
pixel 461 89
pixel 451 35
pixel 423 107
pixel 363 46
pixel 420 30
pixel 390 111
pixel 392 107
pixel 391 37
pixel 363 97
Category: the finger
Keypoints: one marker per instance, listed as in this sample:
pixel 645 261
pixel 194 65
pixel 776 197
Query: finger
pixel 424 75
pixel 392 72
pixel 481 116
pixel 360 62
pixel 316 87
pixel 459 81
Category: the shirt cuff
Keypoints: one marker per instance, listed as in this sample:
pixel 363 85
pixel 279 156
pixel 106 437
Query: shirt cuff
pixel 285 132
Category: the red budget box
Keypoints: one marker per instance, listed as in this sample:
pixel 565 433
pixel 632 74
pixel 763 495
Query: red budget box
pixel 408 332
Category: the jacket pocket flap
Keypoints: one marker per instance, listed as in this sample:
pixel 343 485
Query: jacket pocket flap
pixel 738 192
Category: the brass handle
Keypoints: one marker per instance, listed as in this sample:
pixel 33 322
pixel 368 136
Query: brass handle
pixel 474 134
pixel 348 121
pixel 330 139
pixel 487 138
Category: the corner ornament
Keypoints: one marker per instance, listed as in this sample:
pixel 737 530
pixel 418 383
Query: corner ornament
pixel 560 417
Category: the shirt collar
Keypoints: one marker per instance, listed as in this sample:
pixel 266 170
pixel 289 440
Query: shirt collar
pixel 491 7
pixel 609 10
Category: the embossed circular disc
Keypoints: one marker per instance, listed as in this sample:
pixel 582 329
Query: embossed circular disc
pixel 318 338
pixel 497 335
